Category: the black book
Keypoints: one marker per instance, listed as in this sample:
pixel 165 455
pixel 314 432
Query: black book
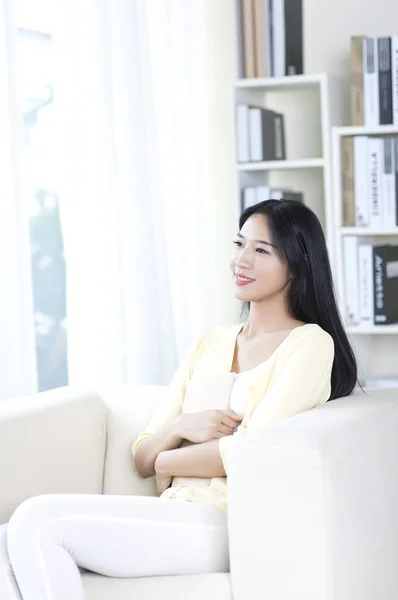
pixel 385 264
pixel 294 37
pixel 385 81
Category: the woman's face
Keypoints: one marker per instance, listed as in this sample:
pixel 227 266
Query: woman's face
pixel 259 273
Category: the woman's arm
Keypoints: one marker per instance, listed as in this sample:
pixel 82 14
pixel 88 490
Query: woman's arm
pixel 147 452
pixel 197 460
pixel 198 428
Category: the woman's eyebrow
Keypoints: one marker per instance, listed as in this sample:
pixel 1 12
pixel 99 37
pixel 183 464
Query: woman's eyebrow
pixel 242 237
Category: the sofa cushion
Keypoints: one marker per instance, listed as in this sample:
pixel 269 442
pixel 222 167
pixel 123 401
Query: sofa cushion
pixel 212 586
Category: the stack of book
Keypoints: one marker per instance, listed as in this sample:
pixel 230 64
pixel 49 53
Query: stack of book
pixel 374 81
pixel 252 195
pixel 370 181
pixel 371 282
pixel 261 134
pixel 270 38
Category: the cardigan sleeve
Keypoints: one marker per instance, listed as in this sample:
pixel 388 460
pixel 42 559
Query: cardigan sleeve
pixel 171 404
pixel 301 379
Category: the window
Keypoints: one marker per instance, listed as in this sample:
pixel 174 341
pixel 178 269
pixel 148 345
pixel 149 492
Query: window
pixel 47 255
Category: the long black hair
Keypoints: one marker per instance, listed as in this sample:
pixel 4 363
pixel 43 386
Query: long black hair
pixel 299 241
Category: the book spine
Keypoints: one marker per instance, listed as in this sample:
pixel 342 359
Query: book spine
pixel 380 316
pixel 357 110
pixel 259 33
pixel 242 117
pixel 271 35
pixel 268 36
pixel 396 179
pixel 351 283
pixel 249 197
pixel 365 272
pixel 279 137
pixel 268 135
pixel 375 150
pixel 262 193
pixel 347 177
pixel 239 38
pixel 388 180
pixel 362 213
pixel 278 40
pixel 371 83
pixel 255 135
pixel 385 80
pixel 293 37
pixel 391 284
pixel 248 38
pixel 394 77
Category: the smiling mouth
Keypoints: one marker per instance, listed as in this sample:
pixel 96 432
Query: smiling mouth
pixel 241 280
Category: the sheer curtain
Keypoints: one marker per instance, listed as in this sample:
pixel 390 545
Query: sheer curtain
pixel 138 197
pixel 17 337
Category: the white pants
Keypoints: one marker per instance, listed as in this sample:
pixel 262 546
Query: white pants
pixel 50 536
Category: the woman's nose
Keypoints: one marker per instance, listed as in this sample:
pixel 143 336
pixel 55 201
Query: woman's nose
pixel 244 258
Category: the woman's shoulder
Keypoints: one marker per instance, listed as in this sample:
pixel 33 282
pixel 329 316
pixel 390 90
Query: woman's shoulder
pixel 312 335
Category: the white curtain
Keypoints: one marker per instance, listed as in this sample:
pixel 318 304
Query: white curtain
pixel 137 147
pixel 17 337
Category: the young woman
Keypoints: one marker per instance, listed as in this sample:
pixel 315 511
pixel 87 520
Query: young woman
pixel 291 354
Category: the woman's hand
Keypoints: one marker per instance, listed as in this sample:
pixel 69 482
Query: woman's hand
pixel 207 425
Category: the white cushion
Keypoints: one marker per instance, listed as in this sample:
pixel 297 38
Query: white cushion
pixel 212 586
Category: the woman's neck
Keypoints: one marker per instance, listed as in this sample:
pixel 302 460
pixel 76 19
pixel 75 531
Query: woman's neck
pixel 268 317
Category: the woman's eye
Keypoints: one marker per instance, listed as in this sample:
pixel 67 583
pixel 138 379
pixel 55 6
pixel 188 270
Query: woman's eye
pixel 261 251
pixel 237 243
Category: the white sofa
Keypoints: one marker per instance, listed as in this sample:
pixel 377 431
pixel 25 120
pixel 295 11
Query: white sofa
pixel 313 512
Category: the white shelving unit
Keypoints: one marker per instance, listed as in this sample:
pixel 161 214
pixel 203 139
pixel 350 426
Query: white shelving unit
pixel 311 105
pixel 376 346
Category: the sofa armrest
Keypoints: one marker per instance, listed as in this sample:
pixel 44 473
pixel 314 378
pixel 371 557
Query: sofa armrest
pixel 53 442
pixel 129 410
pixel 313 504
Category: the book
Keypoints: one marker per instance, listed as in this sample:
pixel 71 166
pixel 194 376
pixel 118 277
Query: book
pixel 365 282
pixel 351 282
pixel 357 110
pixel 396 178
pixel 278 38
pixel 242 132
pixel 266 135
pixel 371 82
pixel 262 38
pixel 389 216
pixel 394 78
pixel 239 38
pixel 385 80
pixel 362 213
pixel 249 197
pixel 347 177
pixel 293 37
pixel 248 38
pixel 263 192
pixel 375 156
pixel 385 264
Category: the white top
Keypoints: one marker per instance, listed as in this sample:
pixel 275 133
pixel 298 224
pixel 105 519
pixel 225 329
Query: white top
pixel 239 391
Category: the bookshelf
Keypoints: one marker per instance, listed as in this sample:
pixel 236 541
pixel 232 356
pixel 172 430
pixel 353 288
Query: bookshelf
pixel 311 105
pixel 376 346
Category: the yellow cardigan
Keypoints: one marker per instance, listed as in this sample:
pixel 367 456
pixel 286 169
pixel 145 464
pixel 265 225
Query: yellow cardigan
pixel 295 378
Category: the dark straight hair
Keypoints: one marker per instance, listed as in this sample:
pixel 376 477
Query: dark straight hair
pixel 299 241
